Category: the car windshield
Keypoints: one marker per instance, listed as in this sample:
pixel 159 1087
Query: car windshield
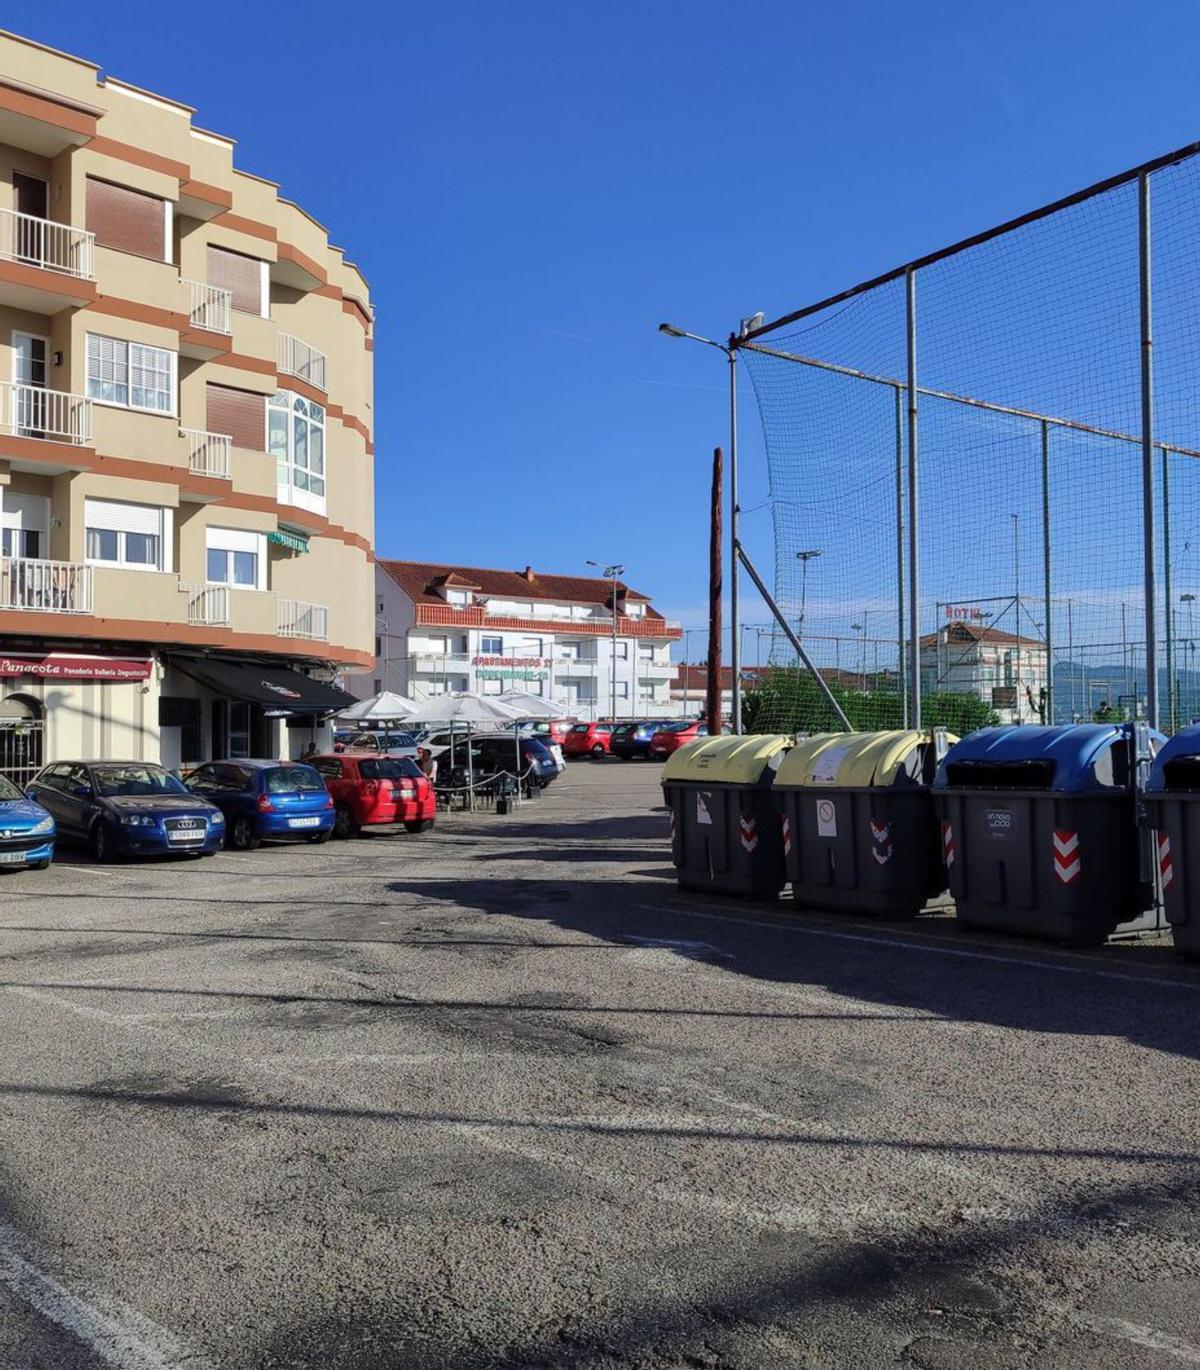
pixel 8 790
pixel 136 780
pixel 294 780
pixel 678 727
pixel 389 768
pixel 399 740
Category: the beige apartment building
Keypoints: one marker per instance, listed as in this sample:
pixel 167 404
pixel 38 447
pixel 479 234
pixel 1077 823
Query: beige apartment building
pixel 186 456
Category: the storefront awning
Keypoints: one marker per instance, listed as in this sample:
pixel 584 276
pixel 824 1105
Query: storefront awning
pixel 284 537
pixel 275 687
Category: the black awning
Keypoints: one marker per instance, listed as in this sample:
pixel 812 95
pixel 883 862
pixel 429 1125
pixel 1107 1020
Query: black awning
pixel 275 687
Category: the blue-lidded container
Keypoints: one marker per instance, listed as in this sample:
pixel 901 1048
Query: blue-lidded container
pixel 1040 831
pixel 1173 803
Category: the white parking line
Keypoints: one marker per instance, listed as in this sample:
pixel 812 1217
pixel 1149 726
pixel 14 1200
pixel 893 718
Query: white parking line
pixel 119 1335
pixel 1150 1338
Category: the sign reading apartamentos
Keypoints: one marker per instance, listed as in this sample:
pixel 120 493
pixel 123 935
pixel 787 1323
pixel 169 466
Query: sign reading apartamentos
pixel 74 668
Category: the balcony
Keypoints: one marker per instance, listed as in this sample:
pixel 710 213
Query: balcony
pixel 209 454
pixel 45 587
pixel 210 307
pixel 44 266
pixel 294 618
pixel 297 358
pixel 208 605
pixel 440 663
pixel 446 615
pixel 27 411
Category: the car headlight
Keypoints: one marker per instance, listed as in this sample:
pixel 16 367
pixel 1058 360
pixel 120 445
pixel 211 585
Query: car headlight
pixel 137 820
pixel 46 825
pixel 216 819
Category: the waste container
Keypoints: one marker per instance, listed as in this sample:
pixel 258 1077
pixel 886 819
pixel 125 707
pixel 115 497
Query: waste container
pixel 1041 832
pixel 1173 802
pixel 724 833
pixel 858 822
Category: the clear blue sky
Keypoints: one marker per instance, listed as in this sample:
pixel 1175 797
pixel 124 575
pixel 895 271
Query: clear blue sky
pixel 530 188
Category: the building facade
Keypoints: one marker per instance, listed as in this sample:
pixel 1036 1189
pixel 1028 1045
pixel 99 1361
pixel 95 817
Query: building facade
pixel 445 628
pixel 1009 673
pixel 186 456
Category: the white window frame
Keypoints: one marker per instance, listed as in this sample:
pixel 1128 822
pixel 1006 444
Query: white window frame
pixel 485 650
pixel 123 518
pixel 231 540
pixel 459 598
pixel 168 232
pixel 289 492
pixel 21 514
pixel 127 403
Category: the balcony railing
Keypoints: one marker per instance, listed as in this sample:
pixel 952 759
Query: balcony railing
pixel 208 453
pixel 297 619
pixel 31 412
pixel 208 605
pixel 473 616
pixel 211 307
pixel 296 358
pixel 42 242
pixel 45 587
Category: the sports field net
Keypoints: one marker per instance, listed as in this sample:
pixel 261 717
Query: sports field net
pixel 1030 546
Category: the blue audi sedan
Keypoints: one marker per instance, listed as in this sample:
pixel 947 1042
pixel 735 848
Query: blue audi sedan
pixel 276 800
pixel 26 831
pixel 127 808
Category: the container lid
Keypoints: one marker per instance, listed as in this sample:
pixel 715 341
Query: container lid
pixel 728 760
pixel 853 760
pixel 1185 743
pixel 1075 751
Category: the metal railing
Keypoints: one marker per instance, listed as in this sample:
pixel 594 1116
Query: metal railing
pixel 42 242
pixel 45 587
pixel 208 453
pixel 31 412
pixel 297 358
pixel 211 307
pixel 207 604
pixel 297 619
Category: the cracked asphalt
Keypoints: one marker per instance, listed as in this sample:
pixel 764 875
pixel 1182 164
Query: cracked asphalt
pixel 501 1096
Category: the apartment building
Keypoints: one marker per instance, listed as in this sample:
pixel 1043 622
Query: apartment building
pixel 1009 673
pixel 186 456
pixel 444 628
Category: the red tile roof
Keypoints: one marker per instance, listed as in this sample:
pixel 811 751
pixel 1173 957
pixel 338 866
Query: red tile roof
pixel 419 581
pixel 964 633
pixel 696 677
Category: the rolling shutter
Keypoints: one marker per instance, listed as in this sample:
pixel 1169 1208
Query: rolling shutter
pixel 127 219
pixel 240 275
pixel 240 413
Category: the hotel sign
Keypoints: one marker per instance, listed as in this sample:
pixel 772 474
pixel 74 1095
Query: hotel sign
pixel 74 668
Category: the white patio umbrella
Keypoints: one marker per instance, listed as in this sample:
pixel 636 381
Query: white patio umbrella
pixel 531 706
pixel 379 708
pixel 464 706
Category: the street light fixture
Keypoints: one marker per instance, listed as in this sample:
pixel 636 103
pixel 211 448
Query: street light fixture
pixel 804 558
pixel 612 571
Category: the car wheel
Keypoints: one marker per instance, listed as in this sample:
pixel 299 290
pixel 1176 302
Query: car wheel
pixel 418 824
pixel 344 824
pixel 101 843
pixel 318 837
pixel 597 752
pixel 242 836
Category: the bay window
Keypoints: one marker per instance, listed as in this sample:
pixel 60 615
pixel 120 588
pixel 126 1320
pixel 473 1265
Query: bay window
pixel 296 439
pixel 132 375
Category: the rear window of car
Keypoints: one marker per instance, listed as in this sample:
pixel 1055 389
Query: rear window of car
pixel 389 768
pixel 294 780
pixel 580 728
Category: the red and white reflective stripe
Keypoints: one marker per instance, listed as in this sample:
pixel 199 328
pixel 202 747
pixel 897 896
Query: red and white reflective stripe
pixel 787 835
pixel 881 836
pixel 1166 867
pixel 749 827
pixel 1067 862
pixel 672 825
pixel 948 844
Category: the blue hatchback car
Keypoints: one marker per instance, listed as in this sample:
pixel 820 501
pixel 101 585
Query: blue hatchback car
pixel 127 808
pixel 277 800
pixel 26 831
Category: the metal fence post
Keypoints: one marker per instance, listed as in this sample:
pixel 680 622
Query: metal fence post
pixel 901 655
pixel 1172 682
pixel 1046 571
pixel 1147 445
pixel 914 583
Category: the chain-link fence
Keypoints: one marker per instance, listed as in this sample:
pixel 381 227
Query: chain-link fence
pixel 982 463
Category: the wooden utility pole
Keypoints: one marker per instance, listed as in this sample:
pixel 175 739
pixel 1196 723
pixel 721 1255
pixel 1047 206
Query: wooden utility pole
pixel 713 694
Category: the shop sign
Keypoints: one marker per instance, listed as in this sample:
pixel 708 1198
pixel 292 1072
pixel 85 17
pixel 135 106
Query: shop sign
pixel 74 668
pixel 526 661
pixel 511 673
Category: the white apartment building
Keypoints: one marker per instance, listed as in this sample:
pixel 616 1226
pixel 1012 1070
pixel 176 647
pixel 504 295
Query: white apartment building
pixel 1007 672
pixel 444 628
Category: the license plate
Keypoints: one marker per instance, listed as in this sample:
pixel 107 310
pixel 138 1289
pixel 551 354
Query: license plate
pixel 186 836
pixel 12 858
pixel 303 822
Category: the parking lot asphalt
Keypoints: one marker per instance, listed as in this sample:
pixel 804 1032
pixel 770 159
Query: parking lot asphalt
pixel 501 1096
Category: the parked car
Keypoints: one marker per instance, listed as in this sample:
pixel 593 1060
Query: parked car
pixel 26 830
pixel 369 740
pixel 630 740
pixel 588 739
pixel 374 790
pixel 265 799
pixel 550 730
pixel 674 736
pixel 127 808
pixel 498 752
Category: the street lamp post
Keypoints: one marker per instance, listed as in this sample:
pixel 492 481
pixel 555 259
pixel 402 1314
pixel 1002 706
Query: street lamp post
pixel 735 663
pixel 804 558
pixel 612 572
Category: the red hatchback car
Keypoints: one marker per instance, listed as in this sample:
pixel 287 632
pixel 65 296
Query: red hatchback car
pixel 370 789
pixel 588 739
pixel 674 736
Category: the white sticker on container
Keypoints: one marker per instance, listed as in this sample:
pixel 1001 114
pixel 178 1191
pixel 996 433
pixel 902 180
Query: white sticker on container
pixel 825 771
pixel 702 813
pixel 826 818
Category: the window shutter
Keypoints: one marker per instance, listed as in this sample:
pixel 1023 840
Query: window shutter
pixel 126 219
pixel 240 275
pixel 240 413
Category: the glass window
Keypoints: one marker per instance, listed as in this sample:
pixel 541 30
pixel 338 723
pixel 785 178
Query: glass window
pixel 232 568
pixel 388 768
pixel 141 549
pixel 135 779
pixel 296 438
pixel 294 780
pixel 130 374
pixel 103 544
pixel 21 542
pixel 491 646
